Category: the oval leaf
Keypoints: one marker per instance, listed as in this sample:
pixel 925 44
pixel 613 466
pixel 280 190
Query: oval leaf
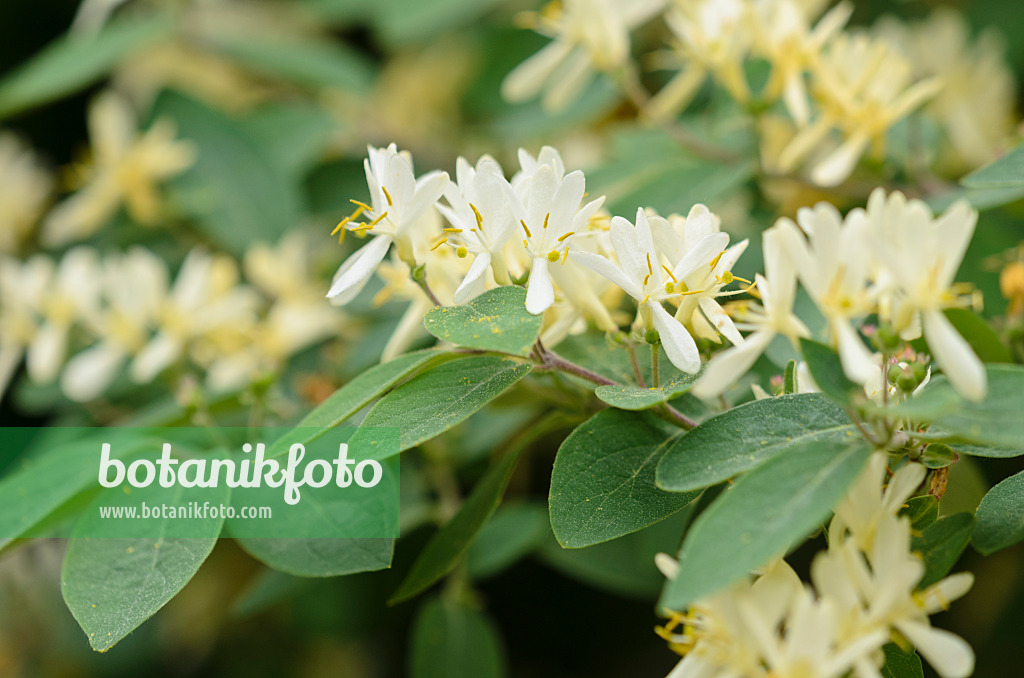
pixel 321 557
pixel 602 484
pixel 1001 516
pixel 452 641
pixel 749 435
pixel 497 320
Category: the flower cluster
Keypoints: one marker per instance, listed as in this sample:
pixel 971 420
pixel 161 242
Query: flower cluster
pixel 86 317
pixel 831 94
pixel 865 592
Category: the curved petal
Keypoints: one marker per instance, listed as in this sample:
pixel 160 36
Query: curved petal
pixel 679 345
pixel 473 283
pixel 857 361
pixel 90 372
pixel 948 653
pixel 726 368
pixel 540 293
pixel 604 267
pixel 357 269
pixel 46 353
pixel 155 357
pixel 954 355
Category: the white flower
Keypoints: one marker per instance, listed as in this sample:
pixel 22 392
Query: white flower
pixel 127 167
pixel 25 189
pixel 698 309
pixel 481 222
pixel 777 289
pixel 589 36
pixel 833 264
pixel 640 274
pixel 398 201
pixel 920 255
pixel 549 215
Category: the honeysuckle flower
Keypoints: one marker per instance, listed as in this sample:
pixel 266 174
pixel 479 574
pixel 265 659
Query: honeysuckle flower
pixel 588 36
pixel 698 309
pixel 480 222
pixel 712 37
pixel 206 295
pixel 529 165
pixel 25 189
pixel 398 201
pixel 641 275
pixel 833 264
pixel 774 316
pixel 133 287
pixel 920 255
pixel 550 216
pixel 864 87
pixel 976 105
pixel 784 37
pixel 581 294
pixel 23 286
pixel 126 168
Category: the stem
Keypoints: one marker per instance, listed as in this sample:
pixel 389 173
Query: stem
pixel 631 350
pixel 655 374
pixel 678 418
pixel 425 286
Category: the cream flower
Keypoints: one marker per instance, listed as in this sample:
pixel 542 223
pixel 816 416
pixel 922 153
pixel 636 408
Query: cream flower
pixel 25 190
pixel 549 211
pixel 126 168
pixel 398 201
pixel 589 36
pixel 641 275
pixel 774 316
pixel 920 255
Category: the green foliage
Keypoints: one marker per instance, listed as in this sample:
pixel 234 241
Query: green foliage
pixel 438 399
pixel 629 397
pixel 451 640
pixel 980 335
pixel 321 557
pixel 602 484
pixel 940 545
pixel 113 584
pixel 747 436
pixel 1004 172
pixel 73 62
pixel 828 373
pixel 1001 516
pixel 235 191
pixel 497 320
pixel 292 135
pixel 514 531
pixel 922 511
pixel 761 516
pixel 899 664
pixel 446 547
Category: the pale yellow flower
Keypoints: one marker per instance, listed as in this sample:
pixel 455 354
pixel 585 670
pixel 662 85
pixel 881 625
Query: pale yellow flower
pixel 25 190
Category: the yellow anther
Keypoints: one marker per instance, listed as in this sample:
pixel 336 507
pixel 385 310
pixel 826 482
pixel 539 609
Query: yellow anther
pixel 669 271
pixel 439 243
pixel 714 262
pixel 553 256
pixel 546 217
pixel 570 233
pixel 376 221
pixel 479 217
pixel 528 234
pixel 650 269
pixel 461 251
pixel 565 256
pixel 387 196
pixel 363 205
pixel 646 299
pixel 341 226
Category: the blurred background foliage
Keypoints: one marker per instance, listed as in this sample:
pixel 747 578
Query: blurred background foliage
pixel 281 99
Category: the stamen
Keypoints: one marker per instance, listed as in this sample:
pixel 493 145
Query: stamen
pixel 439 243
pixel 565 256
pixel 570 233
pixel 451 230
pixel 376 221
pixel 714 262
pixel 553 256
pixel 669 271
pixel 387 196
pixel 528 234
pixel 341 226
pixel 546 217
pixel 479 217
pixel 650 269
pixel 361 204
pixel 461 252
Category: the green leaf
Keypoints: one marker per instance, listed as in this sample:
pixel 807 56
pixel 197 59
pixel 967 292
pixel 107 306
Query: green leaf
pixel 941 544
pixel 748 436
pixel 765 513
pixel 73 62
pixel 321 557
pixel 236 193
pixel 113 584
pixel 354 396
pixel 995 421
pixel 828 373
pixel 623 566
pixel 438 399
pixel 595 352
pixel 292 135
pixel 309 61
pixel 602 484
pixel 1001 516
pixel 980 335
pixel 453 641
pixel 789 378
pixel 989 451
pixel 1004 172
pixel 629 397
pixel 497 320
pixel 512 532
pixel 900 665
pixel 938 455
pixel 443 551
pixel 922 511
